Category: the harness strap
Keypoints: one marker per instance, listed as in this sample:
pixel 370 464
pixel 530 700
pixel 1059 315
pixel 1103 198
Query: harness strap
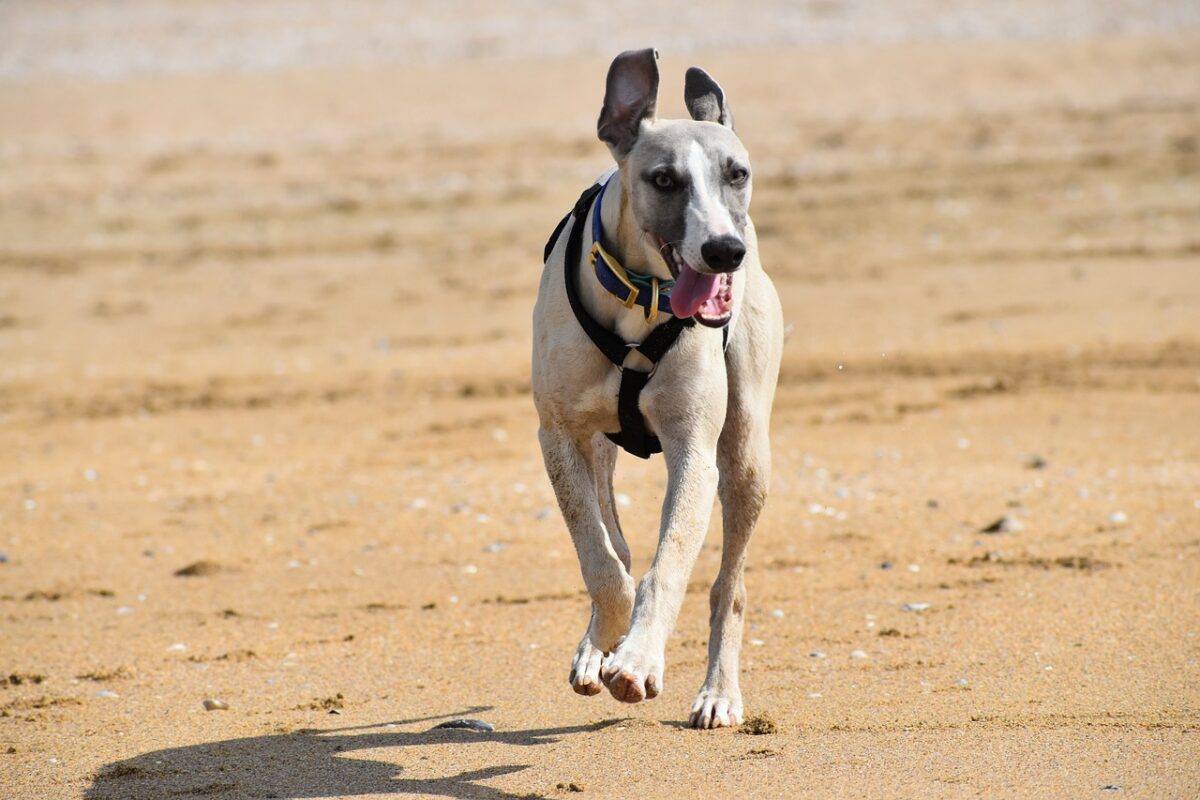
pixel 634 436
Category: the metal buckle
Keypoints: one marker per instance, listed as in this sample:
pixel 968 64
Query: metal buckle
pixel 617 270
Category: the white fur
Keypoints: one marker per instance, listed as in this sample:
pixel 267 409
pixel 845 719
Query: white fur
pixel 709 408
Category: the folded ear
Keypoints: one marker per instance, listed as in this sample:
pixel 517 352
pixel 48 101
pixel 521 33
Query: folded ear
pixel 704 98
pixel 630 96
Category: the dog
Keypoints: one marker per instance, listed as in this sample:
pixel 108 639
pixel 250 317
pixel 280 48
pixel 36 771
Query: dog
pixel 674 213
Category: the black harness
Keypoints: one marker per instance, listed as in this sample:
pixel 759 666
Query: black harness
pixel 634 437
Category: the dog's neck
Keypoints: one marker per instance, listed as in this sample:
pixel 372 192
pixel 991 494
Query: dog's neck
pixel 624 237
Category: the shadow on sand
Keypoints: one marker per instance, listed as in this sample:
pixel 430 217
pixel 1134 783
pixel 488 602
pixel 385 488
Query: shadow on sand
pixel 311 763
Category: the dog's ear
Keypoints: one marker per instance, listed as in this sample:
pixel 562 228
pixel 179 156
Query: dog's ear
pixel 630 96
pixel 704 98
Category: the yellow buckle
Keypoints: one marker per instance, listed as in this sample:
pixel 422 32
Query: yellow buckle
pixel 653 313
pixel 617 270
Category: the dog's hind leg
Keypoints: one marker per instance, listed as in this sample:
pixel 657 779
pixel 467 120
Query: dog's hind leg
pixel 571 466
pixel 604 460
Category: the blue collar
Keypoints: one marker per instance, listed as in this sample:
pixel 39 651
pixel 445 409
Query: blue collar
pixel 631 288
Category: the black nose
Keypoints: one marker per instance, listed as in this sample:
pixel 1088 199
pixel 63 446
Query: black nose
pixel 723 253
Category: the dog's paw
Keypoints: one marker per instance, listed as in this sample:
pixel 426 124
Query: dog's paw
pixel 585 668
pixel 714 709
pixel 631 675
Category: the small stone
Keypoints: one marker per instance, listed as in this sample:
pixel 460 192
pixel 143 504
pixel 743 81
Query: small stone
pixel 931 503
pixel 1118 518
pixel 213 704
pixel 858 654
pixel 915 607
pixel 886 565
pixel 1112 787
pixel 816 654
pixel 759 725
pixel 107 693
pixel 466 724
pixel 814 695
pixel 1005 524
pixel 777 613
pixel 1036 462
pixel 570 787
pixel 914 567
pixel 3 558
pixel 495 547
pixel 199 569
pixel 123 610
pixel 178 647
pixel 757 642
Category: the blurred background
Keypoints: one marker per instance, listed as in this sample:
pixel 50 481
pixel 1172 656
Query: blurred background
pixel 266 275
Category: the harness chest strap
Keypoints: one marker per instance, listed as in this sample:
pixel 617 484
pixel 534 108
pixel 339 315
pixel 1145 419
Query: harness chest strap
pixel 634 437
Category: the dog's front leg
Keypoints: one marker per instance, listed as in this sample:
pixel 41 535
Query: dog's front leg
pixel 569 464
pixel 634 672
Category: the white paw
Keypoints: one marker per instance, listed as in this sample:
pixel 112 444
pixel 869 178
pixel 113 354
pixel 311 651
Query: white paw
pixel 714 709
pixel 585 668
pixel 631 675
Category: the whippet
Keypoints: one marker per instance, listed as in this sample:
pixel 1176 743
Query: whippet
pixel 672 253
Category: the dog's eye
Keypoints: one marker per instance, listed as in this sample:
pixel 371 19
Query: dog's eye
pixel 664 181
pixel 738 176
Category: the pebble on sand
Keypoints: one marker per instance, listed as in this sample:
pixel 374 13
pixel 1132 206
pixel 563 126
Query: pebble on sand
pixel 759 725
pixel 858 654
pixel 915 607
pixel 467 724
pixel 213 704
pixel 1005 524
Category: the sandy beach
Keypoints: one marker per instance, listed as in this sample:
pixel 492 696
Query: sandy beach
pixel 266 435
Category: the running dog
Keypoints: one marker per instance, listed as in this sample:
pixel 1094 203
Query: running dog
pixel 666 336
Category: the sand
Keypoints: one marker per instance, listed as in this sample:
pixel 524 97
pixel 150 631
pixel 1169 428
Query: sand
pixel 267 436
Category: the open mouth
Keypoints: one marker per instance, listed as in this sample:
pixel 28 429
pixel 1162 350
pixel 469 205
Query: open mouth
pixel 706 297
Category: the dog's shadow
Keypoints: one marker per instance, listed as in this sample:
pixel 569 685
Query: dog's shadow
pixel 312 764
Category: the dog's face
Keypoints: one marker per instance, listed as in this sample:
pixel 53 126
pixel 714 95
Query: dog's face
pixel 687 181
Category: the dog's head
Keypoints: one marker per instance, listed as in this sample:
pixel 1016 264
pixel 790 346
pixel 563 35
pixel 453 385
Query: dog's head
pixel 688 181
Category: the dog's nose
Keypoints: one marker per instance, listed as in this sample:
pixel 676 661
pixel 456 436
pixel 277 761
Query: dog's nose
pixel 723 253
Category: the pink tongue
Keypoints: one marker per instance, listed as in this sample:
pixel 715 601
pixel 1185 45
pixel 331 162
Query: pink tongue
pixel 691 291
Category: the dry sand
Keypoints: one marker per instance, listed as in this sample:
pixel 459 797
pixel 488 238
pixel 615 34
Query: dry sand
pixel 275 323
